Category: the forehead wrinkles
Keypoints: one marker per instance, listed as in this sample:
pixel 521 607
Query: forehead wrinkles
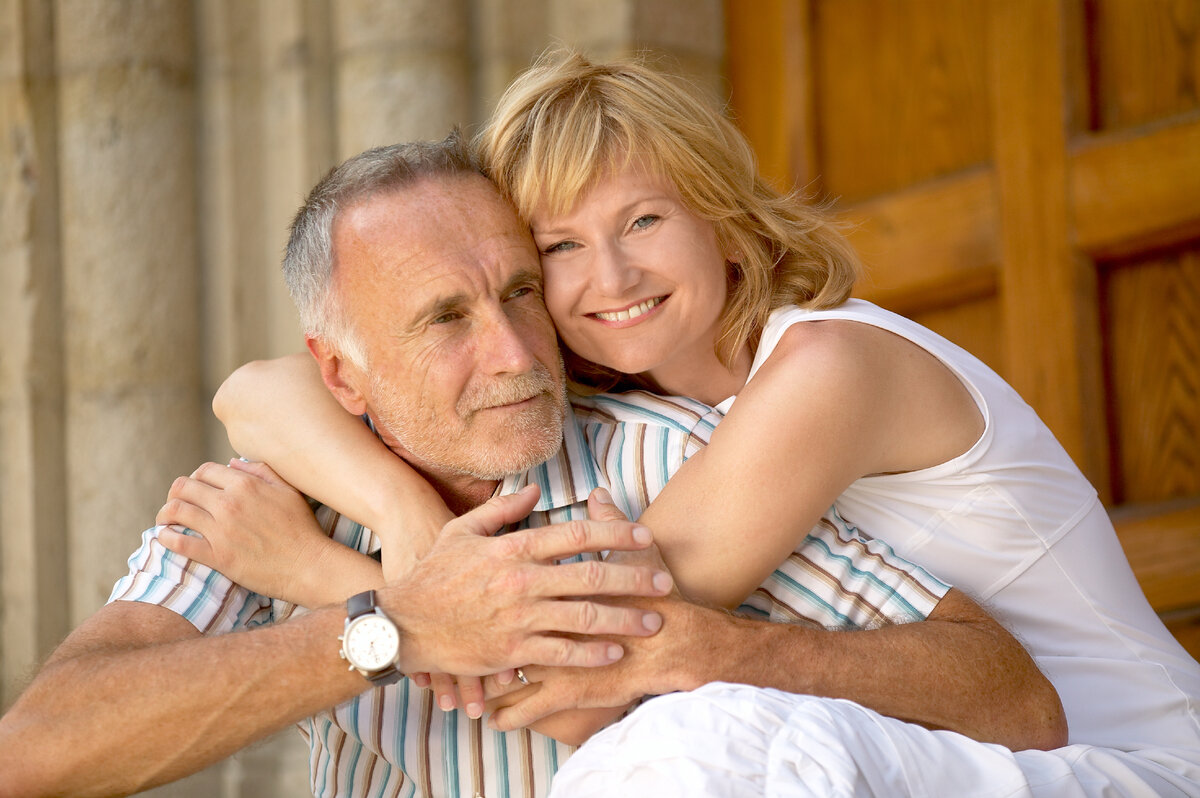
pixel 436 232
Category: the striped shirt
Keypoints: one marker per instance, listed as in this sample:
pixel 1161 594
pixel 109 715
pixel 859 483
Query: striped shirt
pixel 394 741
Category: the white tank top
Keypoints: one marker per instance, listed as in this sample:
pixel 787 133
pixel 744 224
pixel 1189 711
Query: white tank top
pixel 1014 524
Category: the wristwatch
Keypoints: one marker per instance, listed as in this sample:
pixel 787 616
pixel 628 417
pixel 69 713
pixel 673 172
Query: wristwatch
pixel 371 640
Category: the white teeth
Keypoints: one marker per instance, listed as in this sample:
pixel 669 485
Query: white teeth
pixel 630 313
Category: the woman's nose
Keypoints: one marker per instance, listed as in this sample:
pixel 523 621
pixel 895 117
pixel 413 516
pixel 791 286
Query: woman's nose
pixel 614 272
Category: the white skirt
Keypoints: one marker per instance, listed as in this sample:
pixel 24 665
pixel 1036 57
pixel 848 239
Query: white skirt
pixel 735 741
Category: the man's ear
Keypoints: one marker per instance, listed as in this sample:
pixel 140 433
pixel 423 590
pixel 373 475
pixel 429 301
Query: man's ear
pixel 340 376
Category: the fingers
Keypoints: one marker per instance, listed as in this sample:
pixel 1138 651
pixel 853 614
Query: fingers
pixel 597 578
pixel 563 651
pixel 495 514
pixel 468 695
pixel 443 688
pixel 593 618
pixel 601 507
pixel 470 690
pixel 191 546
pixel 560 541
pixel 260 470
pixel 216 475
pixel 501 684
pixel 526 711
pixel 183 513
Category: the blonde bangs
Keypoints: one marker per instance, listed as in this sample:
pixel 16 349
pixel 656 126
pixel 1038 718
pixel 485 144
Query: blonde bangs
pixel 570 146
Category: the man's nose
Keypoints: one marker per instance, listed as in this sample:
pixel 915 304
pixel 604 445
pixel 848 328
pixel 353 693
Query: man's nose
pixel 504 348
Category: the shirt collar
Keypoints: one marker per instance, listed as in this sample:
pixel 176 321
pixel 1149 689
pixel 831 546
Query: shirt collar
pixel 566 478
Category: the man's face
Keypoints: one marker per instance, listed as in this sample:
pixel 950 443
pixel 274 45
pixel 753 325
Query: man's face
pixel 441 283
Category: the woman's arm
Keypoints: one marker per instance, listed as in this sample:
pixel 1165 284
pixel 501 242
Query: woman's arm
pixel 279 412
pixel 835 401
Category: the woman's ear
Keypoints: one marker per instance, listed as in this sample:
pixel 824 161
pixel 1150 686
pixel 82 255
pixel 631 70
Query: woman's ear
pixel 343 378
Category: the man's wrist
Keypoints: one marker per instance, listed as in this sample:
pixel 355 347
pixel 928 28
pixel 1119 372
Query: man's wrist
pixel 371 640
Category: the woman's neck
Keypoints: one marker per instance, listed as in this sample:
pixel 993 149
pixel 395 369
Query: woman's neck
pixel 705 379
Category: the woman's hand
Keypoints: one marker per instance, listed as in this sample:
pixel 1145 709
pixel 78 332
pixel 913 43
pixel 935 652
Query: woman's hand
pixel 465 692
pixel 260 532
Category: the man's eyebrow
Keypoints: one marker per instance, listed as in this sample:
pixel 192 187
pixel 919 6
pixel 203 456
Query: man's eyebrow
pixel 437 306
pixel 523 277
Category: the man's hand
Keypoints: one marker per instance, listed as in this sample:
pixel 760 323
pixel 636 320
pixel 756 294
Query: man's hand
pixel 480 604
pixel 646 669
pixel 651 665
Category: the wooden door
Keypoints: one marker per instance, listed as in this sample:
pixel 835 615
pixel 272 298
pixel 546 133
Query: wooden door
pixel 1022 176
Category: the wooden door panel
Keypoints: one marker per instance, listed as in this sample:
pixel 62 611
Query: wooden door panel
pixel 920 102
pixel 1145 62
pixel 1153 366
pixel 1023 177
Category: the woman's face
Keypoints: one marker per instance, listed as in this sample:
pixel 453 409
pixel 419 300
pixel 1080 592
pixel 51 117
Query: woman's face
pixel 634 280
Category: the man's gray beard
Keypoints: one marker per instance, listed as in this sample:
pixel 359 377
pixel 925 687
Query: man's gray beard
pixel 438 450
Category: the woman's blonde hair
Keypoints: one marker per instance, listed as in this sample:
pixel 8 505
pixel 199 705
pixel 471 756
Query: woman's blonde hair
pixel 566 122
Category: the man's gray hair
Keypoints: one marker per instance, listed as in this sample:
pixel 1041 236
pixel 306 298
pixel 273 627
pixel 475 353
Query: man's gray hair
pixel 309 260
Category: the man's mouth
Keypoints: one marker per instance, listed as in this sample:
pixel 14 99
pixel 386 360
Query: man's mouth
pixel 631 312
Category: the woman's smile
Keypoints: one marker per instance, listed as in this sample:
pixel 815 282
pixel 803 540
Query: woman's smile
pixel 632 314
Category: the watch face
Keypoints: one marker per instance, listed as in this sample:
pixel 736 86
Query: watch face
pixel 371 643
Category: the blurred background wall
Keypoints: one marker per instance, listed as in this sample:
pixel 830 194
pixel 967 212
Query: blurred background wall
pixel 1022 175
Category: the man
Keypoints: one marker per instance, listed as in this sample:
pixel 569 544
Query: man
pixel 439 283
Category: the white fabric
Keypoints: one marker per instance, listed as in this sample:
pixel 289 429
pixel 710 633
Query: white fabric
pixel 1014 523
pixel 734 741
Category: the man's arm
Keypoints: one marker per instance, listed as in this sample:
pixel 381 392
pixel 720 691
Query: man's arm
pixel 136 697
pixel 959 669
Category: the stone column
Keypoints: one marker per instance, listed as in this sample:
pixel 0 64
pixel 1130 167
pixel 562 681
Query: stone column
pixel 34 601
pixel 684 35
pixel 689 32
pixel 130 285
pixel 402 71
pixel 509 34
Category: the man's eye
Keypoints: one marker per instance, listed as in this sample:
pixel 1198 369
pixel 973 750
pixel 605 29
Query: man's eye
pixel 520 292
pixel 642 222
pixel 446 318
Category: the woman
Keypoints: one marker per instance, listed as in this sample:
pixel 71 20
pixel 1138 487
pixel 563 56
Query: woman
pixel 669 265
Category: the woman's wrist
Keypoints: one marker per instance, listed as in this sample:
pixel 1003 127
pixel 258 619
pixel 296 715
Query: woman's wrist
pixel 336 572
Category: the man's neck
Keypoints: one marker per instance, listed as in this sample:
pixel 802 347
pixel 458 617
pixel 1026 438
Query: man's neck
pixel 462 493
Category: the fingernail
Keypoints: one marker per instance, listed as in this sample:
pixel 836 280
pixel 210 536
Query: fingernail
pixel 505 677
pixel 615 652
pixel 446 703
pixel 527 488
pixel 492 724
pixel 474 710
pixel 652 621
pixel 602 496
pixel 662 581
pixel 642 534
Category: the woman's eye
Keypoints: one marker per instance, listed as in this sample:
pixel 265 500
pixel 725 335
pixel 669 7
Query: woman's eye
pixel 561 246
pixel 642 222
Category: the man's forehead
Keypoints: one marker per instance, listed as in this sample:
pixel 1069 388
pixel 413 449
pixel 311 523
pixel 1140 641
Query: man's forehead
pixel 451 235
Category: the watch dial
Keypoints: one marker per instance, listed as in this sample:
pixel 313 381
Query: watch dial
pixel 372 643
